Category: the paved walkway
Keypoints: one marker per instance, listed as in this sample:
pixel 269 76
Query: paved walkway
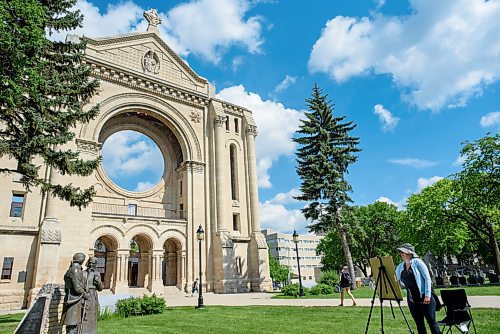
pixel 254 298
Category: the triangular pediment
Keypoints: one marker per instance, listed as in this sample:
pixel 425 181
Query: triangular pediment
pixel 147 55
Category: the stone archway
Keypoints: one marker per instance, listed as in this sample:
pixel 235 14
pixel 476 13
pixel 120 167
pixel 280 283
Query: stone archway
pixel 139 261
pixel 172 263
pixel 105 248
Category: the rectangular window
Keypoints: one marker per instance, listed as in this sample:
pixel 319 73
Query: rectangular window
pixel 17 205
pixel 236 127
pixel 181 211
pixel 239 266
pixel 180 188
pixel 236 222
pixel 7 267
pixel 227 123
pixel 132 209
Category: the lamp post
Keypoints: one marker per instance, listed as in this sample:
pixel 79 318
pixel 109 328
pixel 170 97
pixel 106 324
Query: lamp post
pixel 296 241
pixel 200 235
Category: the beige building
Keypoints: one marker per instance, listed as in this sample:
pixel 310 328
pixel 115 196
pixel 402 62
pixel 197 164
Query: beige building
pixel 282 248
pixel 145 239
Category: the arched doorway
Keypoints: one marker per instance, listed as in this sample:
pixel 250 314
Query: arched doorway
pixel 171 272
pixel 105 252
pixel 139 262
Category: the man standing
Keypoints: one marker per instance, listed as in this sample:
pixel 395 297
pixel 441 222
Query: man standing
pixel 194 287
pixel 74 287
pixel 93 284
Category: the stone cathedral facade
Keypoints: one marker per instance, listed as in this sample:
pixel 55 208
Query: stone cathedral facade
pixel 145 239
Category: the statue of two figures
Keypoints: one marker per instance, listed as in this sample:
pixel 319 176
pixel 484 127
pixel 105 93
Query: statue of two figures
pixel 81 305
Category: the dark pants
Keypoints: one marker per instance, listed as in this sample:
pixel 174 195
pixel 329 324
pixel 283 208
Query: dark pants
pixel 420 311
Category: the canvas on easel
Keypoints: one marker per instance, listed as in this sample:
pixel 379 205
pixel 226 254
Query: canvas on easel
pixel 384 289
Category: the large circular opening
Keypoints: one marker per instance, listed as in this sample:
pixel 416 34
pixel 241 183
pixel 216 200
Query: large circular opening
pixel 132 161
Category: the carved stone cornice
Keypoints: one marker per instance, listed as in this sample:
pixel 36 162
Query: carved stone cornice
pixel 88 146
pixel 192 166
pixel 126 78
pixel 220 120
pixel 252 130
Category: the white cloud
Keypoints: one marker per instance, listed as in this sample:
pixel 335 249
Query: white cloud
pixel 143 186
pixel 413 162
pixel 459 161
pixel 491 119
pixel 388 121
pixel 276 125
pixel 441 55
pixel 129 153
pixel 286 198
pixel 379 3
pixel 207 28
pixel 289 80
pixel 423 182
pixel 279 218
pixel 400 204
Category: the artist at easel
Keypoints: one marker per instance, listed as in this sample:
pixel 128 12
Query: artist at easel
pixel 414 276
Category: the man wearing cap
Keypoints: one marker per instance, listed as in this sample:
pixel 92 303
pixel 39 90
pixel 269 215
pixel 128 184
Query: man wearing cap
pixel 413 274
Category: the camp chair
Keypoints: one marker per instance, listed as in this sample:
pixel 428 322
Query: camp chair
pixel 458 312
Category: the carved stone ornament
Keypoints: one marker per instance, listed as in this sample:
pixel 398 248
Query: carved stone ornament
pixel 252 130
pixel 151 62
pixel 152 17
pixel 219 120
pixel 225 238
pixel 50 232
pixel 88 146
pixel 195 117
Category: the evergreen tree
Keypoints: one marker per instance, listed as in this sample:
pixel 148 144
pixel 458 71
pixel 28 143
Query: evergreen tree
pixel 324 154
pixel 44 85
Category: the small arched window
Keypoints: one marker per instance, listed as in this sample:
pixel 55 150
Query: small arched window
pixel 234 172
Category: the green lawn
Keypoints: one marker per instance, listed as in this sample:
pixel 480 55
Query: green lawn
pixel 267 319
pixel 366 292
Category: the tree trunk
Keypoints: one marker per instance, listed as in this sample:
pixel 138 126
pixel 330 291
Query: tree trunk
pixel 347 253
pixel 494 248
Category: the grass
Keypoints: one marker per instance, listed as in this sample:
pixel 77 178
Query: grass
pixel 366 292
pixel 267 319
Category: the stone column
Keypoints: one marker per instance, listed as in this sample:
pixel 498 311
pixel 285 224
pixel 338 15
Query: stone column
pixel 220 176
pixel 121 271
pixel 252 177
pixel 183 271
pixel 156 285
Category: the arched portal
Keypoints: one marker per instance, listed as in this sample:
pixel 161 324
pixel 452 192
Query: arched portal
pixel 171 266
pixel 139 262
pixel 105 252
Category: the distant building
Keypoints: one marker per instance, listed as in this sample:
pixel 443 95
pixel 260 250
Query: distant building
pixel 282 248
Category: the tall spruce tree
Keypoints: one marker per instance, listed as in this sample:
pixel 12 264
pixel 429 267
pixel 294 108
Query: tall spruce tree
pixel 324 154
pixel 44 85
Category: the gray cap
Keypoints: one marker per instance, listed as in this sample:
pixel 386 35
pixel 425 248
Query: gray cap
pixel 407 249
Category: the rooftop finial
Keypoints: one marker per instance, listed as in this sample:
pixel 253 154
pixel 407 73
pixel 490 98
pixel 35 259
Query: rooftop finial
pixel 153 19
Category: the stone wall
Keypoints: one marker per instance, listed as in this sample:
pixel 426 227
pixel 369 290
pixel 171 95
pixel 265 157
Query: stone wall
pixel 11 299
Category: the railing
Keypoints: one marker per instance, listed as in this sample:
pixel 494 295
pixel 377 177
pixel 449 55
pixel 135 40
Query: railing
pixel 136 211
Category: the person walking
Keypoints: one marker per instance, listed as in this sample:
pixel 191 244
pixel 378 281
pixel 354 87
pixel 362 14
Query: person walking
pixel 414 276
pixel 194 287
pixel 345 286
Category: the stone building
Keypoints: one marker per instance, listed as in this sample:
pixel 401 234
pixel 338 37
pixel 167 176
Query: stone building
pixel 145 239
pixel 282 248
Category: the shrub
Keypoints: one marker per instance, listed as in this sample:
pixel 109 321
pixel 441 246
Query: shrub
pixel 329 277
pixel 140 306
pixel 322 289
pixel 293 290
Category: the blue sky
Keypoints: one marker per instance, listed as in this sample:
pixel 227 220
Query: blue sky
pixel 417 77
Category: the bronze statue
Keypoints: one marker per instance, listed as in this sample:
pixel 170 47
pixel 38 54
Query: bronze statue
pixel 74 287
pixel 91 309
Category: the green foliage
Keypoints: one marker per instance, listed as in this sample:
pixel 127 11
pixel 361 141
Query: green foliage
pixel 106 314
pixel 278 272
pixel 293 290
pixel 44 88
pixel 322 289
pixel 140 306
pixel 329 277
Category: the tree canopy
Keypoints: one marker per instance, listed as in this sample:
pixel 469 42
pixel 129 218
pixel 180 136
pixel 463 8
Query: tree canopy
pixel 44 88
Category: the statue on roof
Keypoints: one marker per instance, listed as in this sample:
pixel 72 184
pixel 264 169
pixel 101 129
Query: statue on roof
pixel 152 17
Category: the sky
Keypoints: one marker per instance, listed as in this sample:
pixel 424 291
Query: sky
pixel 418 78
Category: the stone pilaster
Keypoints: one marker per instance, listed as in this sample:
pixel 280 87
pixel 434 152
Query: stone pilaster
pixel 121 281
pixel 155 272
pixel 220 176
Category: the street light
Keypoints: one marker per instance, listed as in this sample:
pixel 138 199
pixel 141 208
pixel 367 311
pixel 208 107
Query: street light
pixel 295 237
pixel 200 235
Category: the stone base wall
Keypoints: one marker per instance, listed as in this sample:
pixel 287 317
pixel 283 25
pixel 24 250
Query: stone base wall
pixel 232 286
pixel 11 299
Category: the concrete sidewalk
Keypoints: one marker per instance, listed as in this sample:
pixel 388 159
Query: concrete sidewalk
pixel 254 298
